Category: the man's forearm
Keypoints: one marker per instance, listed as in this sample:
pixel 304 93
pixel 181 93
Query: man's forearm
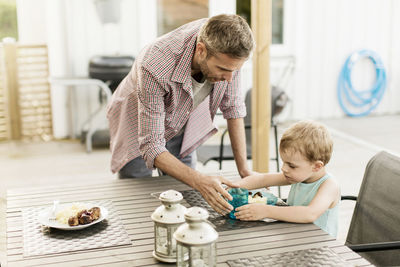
pixel 238 143
pixel 172 166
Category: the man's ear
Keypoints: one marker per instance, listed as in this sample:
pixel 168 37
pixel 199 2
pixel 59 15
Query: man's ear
pixel 201 50
pixel 318 165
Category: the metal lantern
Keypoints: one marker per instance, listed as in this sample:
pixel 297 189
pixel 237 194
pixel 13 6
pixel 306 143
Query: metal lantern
pixel 196 240
pixel 167 218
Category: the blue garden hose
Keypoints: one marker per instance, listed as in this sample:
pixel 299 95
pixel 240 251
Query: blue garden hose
pixel 366 100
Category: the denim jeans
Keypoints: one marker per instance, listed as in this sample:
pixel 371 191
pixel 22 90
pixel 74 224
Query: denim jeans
pixel 137 167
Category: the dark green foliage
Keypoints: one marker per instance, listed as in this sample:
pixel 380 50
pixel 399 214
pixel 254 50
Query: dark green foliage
pixel 8 19
pixel 243 8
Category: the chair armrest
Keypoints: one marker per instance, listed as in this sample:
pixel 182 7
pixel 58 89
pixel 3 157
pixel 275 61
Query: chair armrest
pixel 221 146
pixel 375 246
pixel 348 198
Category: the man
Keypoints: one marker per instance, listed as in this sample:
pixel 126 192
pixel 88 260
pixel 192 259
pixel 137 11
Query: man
pixel 164 108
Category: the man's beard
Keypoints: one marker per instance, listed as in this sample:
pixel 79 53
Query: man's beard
pixel 206 72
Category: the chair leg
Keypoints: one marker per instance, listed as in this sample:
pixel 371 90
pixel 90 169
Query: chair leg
pixel 221 155
pixel 276 147
pixel 277 153
pixel 221 148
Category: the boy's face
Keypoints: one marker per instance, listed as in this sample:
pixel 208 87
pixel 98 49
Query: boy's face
pixel 296 168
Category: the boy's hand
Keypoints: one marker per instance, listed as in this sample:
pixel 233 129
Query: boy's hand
pixel 235 185
pixel 251 212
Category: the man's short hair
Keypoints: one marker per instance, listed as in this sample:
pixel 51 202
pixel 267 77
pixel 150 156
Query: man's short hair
pixel 227 34
pixel 310 139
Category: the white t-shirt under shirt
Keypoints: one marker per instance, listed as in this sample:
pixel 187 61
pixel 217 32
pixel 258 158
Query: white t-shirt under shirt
pixel 200 92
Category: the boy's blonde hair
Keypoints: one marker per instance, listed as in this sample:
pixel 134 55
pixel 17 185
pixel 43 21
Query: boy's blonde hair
pixel 309 138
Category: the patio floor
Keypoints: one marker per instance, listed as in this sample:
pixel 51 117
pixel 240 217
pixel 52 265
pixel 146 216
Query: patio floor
pixel 356 140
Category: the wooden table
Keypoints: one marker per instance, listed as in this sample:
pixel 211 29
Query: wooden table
pixel 131 197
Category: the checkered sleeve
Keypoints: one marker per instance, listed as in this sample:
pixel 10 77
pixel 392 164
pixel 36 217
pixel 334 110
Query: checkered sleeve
pixel 151 117
pixel 232 104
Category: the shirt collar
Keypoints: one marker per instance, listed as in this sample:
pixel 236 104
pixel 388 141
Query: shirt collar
pixel 183 70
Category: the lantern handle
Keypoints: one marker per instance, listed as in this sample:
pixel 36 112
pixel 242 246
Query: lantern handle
pixel 156 194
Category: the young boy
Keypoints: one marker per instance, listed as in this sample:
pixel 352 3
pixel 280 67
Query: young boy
pixel 305 149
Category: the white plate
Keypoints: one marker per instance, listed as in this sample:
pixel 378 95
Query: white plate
pixel 44 218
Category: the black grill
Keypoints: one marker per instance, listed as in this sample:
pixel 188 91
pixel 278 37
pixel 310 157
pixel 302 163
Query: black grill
pixel 110 69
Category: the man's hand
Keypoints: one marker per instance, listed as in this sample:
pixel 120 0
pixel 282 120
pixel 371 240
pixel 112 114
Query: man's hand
pixel 251 212
pixel 210 187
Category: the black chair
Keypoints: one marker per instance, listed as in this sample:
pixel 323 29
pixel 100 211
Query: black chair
pixel 374 230
pixel 221 152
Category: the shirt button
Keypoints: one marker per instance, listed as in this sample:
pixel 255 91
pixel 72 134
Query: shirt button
pixel 187 112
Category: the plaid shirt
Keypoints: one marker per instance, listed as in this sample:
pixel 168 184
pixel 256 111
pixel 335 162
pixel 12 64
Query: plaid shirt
pixel 155 99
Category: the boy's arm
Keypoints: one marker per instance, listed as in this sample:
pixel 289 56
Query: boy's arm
pixel 327 197
pixel 262 180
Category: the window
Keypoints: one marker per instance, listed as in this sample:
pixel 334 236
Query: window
pixel 243 8
pixel 174 13
pixel 8 19
pixel 277 21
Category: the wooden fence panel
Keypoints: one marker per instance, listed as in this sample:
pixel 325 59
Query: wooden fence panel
pixel 25 93
pixel 4 122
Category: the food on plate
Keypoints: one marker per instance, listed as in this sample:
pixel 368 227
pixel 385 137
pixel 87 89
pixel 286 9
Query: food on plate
pixel 265 198
pixel 257 198
pixel 73 221
pixel 78 214
pixel 71 210
pixel 95 211
pixel 85 216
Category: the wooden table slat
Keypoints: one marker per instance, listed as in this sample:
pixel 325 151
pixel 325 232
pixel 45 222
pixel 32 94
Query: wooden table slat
pixel 139 188
pixel 112 182
pixel 74 197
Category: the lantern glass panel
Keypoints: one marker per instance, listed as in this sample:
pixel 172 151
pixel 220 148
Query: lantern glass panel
pixel 199 256
pixel 161 239
pixel 165 243
pixel 182 255
pixel 171 240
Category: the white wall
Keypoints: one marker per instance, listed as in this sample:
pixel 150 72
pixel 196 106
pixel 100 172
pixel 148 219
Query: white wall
pixel 324 34
pixel 216 7
pixel 31 21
